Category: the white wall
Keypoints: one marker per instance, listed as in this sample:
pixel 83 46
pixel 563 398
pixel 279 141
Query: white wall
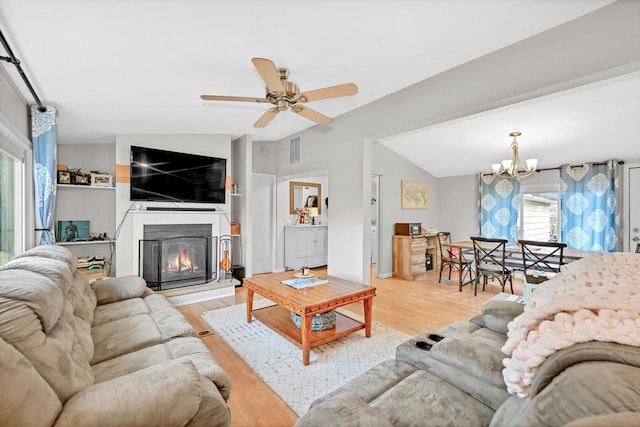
pixel 392 169
pixel 13 106
pixel 265 157
pixel 209 145
pixel 458 206
pixel 242 155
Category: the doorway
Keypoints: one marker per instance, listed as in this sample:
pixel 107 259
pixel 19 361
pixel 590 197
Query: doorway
pixel 375 220
pixel 263 221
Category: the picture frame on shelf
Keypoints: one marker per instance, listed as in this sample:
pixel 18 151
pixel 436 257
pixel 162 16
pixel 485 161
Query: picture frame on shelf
pixel 64 177
pixel 101 180
pixel 73 231
pixel 79 178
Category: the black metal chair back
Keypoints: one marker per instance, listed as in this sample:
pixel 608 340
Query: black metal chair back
pixel 541 260
pixel 490 257
pixel 638 248
pixel 451 259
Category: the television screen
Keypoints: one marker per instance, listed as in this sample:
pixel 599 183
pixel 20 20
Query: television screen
pixel 167 176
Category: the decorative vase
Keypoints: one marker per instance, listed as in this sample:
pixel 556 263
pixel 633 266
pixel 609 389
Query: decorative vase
pixel 301 221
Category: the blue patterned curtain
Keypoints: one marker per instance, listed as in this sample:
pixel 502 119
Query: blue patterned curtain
pixel 43 133
pixel 590 206
pixel 499 206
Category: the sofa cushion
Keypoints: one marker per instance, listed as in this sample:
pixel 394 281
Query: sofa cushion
pixel 114 289
pixel 56 270
pixel 119 310
pixel 579 353
pixel 122 336
pixel 39 323
pixel 472 355
pixel 423 396
pixel 189 348
pixel 51 251
pixel 167 395
pixel 475 384
pixel 23 387
pixel 396 393
pixel 131 362
pixel 496 314
pixel 604 388
pixel 28 291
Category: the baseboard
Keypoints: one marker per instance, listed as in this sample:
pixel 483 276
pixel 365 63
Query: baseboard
pixel 384 275
pixel 203 295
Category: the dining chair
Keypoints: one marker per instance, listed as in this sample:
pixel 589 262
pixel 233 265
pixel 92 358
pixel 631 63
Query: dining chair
pixel 490 259
pixel 453 260
pixel 541 261
pixel 638 248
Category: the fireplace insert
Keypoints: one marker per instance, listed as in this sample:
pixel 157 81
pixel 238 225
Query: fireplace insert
pixel 169 259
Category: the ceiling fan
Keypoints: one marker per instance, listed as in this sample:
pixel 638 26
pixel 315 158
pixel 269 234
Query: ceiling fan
pixel 285 95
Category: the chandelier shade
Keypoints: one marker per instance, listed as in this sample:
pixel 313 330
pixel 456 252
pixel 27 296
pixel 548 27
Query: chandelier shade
pixel 514 168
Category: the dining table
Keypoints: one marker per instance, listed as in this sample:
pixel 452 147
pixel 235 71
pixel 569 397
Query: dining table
pixel 513 254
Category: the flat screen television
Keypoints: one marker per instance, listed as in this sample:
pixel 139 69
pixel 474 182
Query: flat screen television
pixel 168 176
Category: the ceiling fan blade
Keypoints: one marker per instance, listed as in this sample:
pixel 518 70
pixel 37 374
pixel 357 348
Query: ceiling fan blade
pixel 312 115
pixel 329 92
pixel 231 98
pixel 269 74
pixel 266 118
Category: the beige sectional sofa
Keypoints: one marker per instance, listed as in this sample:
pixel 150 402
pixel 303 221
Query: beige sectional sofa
pixel 113 353
pixel 570 357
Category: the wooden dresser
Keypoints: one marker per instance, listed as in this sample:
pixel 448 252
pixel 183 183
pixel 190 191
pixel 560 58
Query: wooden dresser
pixel 409 255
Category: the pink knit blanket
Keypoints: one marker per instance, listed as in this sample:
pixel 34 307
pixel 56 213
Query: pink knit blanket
pixel 594 299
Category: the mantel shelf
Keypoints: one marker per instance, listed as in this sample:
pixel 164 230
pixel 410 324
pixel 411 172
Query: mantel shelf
pixel 85 187
pixel 84 242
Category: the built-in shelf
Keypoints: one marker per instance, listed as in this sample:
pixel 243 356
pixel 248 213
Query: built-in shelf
pixel 84 242
pixel 85 187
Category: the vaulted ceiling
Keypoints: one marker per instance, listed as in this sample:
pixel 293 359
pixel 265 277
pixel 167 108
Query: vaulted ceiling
pixel 119 66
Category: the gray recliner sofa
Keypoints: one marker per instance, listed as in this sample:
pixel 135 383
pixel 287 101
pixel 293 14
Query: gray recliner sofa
pixel 459 380
pixel 111 353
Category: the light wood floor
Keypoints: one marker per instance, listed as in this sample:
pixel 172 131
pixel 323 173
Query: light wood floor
pixel 410 307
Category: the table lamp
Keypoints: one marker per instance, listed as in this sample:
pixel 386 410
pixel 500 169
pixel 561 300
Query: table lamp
pixel 313 213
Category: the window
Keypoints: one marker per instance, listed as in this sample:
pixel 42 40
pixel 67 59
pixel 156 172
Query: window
pixel 15 152
pixel 539 213
pixel 10 207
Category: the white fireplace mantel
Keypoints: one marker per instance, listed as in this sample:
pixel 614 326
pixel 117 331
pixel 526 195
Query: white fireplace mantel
pixel 142 218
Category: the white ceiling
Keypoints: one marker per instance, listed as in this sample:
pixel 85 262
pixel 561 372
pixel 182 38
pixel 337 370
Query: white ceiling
pixel 124 66
pixel 601 117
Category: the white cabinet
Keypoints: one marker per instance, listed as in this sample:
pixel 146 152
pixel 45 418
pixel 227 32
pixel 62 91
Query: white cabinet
pixel 305 245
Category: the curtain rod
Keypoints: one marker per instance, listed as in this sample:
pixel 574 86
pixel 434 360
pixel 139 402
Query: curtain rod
pixel 15 61
pixel 620 162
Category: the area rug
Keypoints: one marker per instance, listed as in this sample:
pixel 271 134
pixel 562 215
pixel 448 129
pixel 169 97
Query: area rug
pixel 279 363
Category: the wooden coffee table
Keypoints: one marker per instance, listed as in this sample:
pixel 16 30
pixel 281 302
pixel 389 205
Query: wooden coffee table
pixel 307 302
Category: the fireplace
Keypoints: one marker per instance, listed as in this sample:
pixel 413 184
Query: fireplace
pixel 177 255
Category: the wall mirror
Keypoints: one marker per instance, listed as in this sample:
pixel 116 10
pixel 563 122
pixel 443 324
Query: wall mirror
pixel 304 195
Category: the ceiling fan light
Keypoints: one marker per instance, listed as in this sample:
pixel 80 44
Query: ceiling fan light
pixel 532 164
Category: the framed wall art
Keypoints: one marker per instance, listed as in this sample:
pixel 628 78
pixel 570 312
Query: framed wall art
pixel 414 194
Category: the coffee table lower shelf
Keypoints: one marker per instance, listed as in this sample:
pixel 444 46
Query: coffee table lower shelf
pixel 279 319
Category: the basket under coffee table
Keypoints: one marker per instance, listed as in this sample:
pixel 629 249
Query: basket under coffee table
pixel 308 302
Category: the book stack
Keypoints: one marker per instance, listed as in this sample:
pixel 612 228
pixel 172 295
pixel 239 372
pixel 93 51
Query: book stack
pixel 91 262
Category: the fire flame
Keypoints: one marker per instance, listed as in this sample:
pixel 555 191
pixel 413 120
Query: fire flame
pixel 182 261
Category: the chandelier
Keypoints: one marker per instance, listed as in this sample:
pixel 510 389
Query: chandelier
pixel 514 168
